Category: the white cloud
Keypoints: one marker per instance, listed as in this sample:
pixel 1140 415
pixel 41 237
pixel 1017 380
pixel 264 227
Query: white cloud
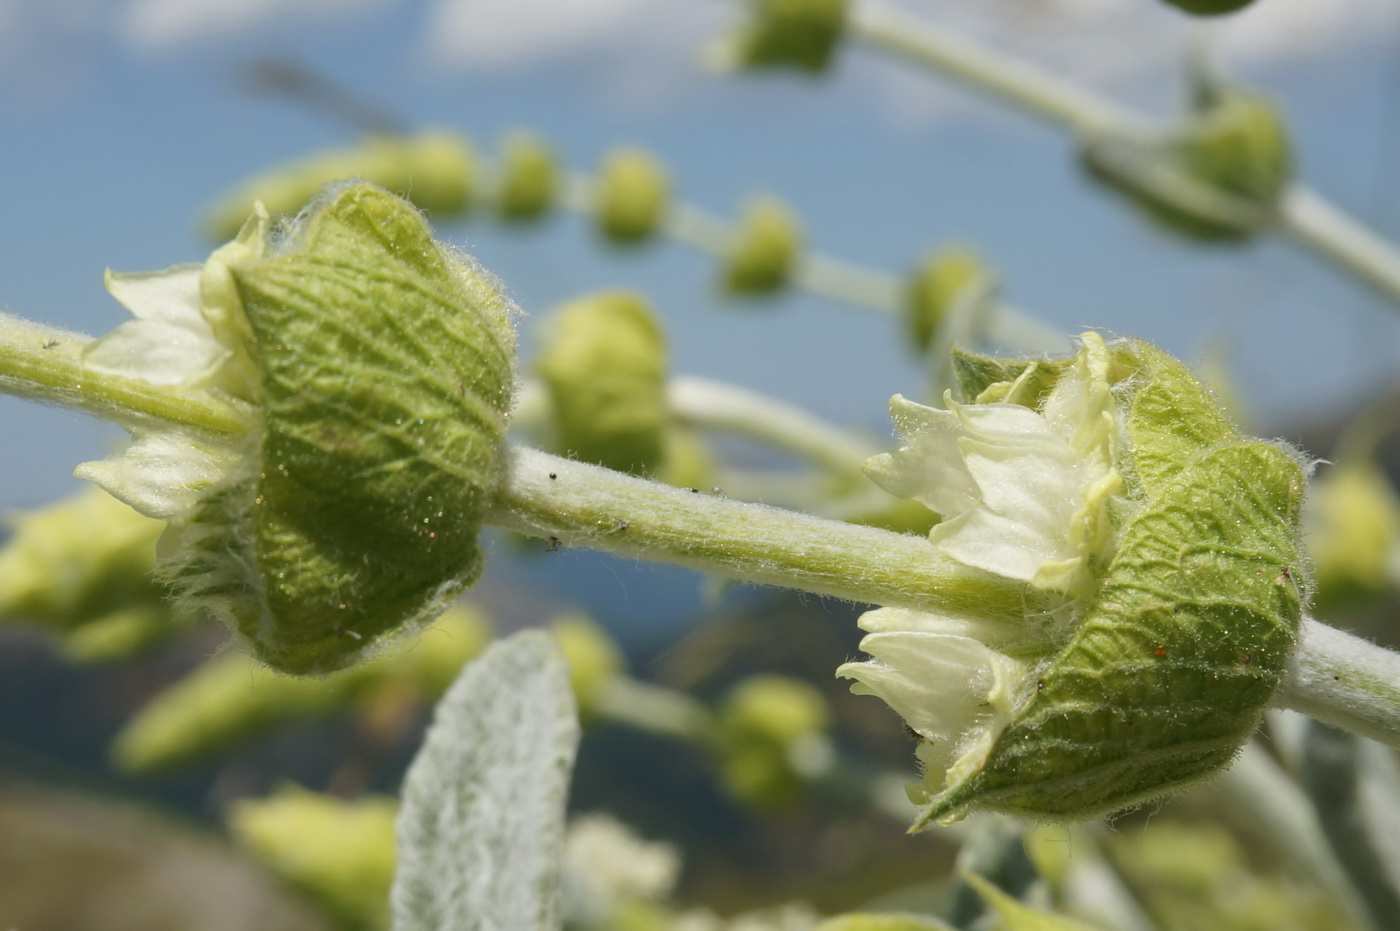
pixel 158 24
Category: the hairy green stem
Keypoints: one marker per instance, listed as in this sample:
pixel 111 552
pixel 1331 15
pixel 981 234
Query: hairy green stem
pixel 1340 679
pixel 45 364
pixel 1303 214
pixel 716 405
pixel 576 504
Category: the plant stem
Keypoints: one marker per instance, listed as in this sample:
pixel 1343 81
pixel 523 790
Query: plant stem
pixel 1032 89
pixel 45 364
pixel 716 405
pixel 1303 214
pixel 583 505
pixel 1340 679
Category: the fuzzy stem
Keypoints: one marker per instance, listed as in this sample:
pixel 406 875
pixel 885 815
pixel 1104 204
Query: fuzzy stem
pixel 1303 214
pixel 716 405
pixel 45 364
pixel 1340 679
pixel 584 505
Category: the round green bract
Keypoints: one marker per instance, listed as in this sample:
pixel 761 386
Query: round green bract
pixel 1174 661
pixel 387 375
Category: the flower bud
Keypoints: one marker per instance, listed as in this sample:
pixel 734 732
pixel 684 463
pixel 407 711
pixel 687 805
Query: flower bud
pixel 764 249
pixel 764 726
pixel 340 854
pixel 375 368
pixel 1164 589
pixel 1210 7
pixel 435 169
pixel 528 178
pixel 604 363
pixel 942 281
pixel 1353 524
pixel 1219 178
pixel 788 33
pixel 632 190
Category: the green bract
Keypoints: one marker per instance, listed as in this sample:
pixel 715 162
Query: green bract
pixel 604 363
pixel 632 192
pixel 764 249
pixel 1220 177
pixel 1160 547
pixel 1210 7
pixel 436 169
pixel 793 33
pixel 376 368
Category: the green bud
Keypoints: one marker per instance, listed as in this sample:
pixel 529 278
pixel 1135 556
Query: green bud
pixel 631 195
pixel 435 169
pixel 594 659
pixel 230 700
pixel 943 280
pixel 1210 7
pixel 1219 178
pixel 604 364
pixel 788 33
pixel 764 725
pixel 764 249
pixel 340 854
pixel 1353 523
pixel 76 562
pixel 529 177
pixel 1163 580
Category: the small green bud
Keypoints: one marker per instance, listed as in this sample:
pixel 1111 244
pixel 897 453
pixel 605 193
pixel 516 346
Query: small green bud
pixel 1163 580
pixel 604 363
pixel 529 179
pixel 764 726
pixel 376 370
pixel 435 169
pixel 631 195
pixel 788 33
pixel 1219 178
pixel 947 277
pixel 1353 524
pixel 339 853
pixel 764 249
pixel 79 561
pixel 1210 7
pixel 594 659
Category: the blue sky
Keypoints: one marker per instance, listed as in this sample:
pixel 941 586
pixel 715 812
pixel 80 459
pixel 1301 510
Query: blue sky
pixel 122 119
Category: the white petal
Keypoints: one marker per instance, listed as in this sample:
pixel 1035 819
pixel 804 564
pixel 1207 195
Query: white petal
pixel 169 342
pixel 162 475
pixel 156 351
pixel 171 295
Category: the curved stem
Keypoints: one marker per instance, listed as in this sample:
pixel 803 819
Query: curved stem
pixel 1340 679
pixel 45 364
pixel 1303 214
pixel 716 405
pixel 583 505
pixel 1031 88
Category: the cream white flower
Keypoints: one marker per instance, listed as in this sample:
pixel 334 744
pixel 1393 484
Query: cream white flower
pixel 189 330
pixel 1026 488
